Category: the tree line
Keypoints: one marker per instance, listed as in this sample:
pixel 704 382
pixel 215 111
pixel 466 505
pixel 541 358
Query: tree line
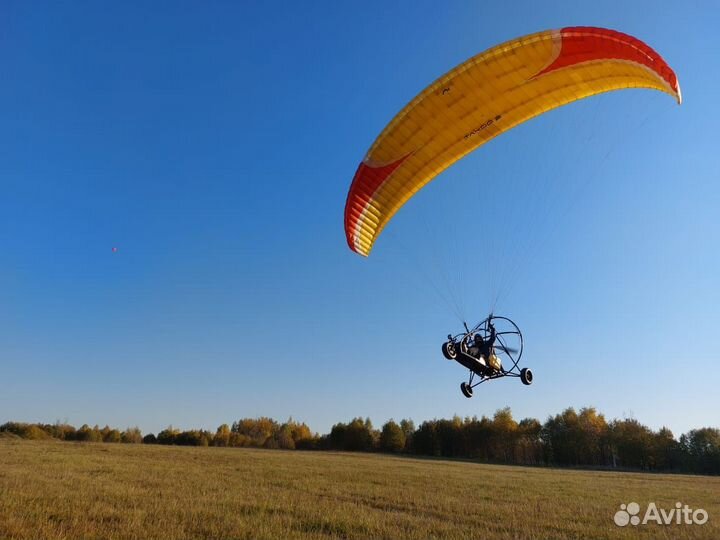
pixel 571 438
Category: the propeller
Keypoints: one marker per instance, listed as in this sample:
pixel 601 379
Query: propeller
pixel 508 350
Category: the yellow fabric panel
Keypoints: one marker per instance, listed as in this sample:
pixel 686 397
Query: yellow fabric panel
pixel 475 102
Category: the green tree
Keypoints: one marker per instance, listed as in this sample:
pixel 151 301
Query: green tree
pixel 505 435
pixel 426 440
pixel 255 431
pixel 336 438
pixel 88 434
pixel 631 444
pixel 168 435
pixel 666 451
pixel 392 437
pixel 357 436
pixel 408 428
pixel 193 437
pixel 284 438
pixel 62 431
pixel 530 447
pixel 110 435
pixel 702 450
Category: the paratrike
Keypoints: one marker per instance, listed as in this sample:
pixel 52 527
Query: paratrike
pixel 490 350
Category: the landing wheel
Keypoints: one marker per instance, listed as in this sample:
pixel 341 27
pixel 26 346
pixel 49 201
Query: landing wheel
pixel 526 376
pixel 448 350
pixel 466 389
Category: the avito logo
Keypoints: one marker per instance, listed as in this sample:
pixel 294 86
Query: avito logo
pixel 682 514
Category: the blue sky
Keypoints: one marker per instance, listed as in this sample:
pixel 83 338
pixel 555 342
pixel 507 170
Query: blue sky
pixel 213 144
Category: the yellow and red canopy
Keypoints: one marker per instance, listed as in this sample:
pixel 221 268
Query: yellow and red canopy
pixel 484 97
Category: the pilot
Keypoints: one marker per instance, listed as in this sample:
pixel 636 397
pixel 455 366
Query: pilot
pixel 478 347
pixel 490 343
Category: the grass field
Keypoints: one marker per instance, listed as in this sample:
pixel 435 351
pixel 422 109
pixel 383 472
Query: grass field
pixel 76 490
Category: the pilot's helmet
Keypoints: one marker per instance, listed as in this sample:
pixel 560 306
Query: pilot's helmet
pixel 478 338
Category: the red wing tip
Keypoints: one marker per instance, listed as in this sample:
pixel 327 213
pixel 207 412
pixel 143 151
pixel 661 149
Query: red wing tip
pixel 574 51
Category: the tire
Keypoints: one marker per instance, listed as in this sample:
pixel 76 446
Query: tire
pixel 466 390
pixel 526 376
pixel 448 350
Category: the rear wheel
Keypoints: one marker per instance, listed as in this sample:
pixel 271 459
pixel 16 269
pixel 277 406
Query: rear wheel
pixel 466 389
pixel 448 350
pixel 526 376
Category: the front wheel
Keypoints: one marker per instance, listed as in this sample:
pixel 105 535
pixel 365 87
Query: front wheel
pixel 448 350
pixel 526 376
pixel 466 389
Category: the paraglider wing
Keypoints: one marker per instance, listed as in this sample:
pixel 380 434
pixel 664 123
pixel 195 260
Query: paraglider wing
pixel 484 97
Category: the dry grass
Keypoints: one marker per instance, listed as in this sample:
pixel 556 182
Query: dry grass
pixel 54 490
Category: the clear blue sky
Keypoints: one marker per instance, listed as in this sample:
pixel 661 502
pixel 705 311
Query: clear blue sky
pixel 214 143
